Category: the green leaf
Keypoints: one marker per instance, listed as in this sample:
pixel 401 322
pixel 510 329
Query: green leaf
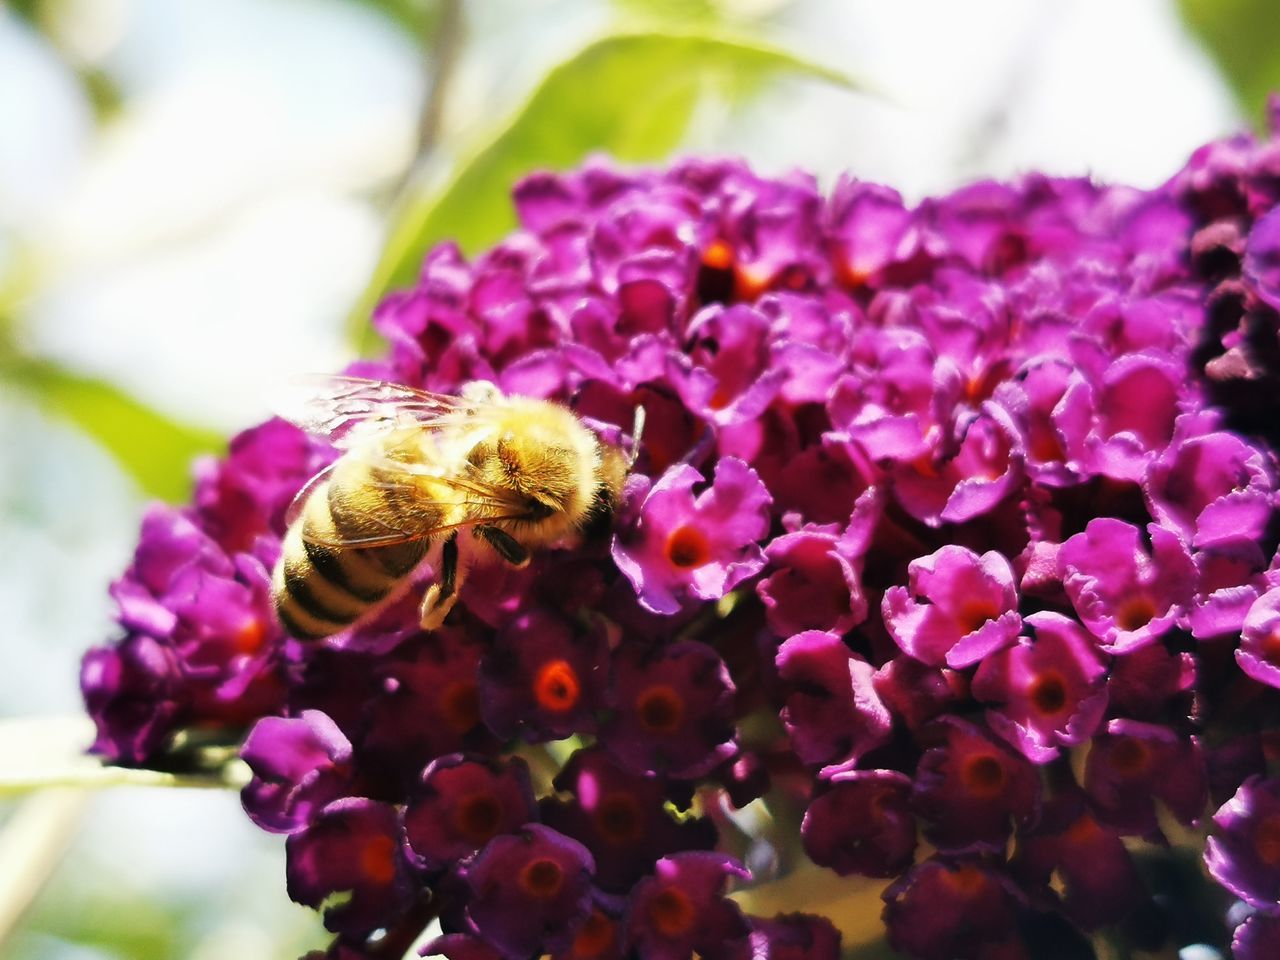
pixel 631 95
pixel 1243 36
pixel 153 449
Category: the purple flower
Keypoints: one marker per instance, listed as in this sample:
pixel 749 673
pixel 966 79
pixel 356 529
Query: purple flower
pixel 1243 853
pixel 131 692
pixel 1259 652
pixel 461 804
pixel 686 547
pixel 681 909
pixel 1124 593
pixel 794 936
pixel 861 824
pixel 831 708
pixel 973 788
pixel 354 847
pixel 299 765
pixel 620 818
pixel 670 710
pixel 530 891
pixel 1256 938
pixel 1051 689
pixel 542 677
pixel 1262 259
pixel 815 584
pixel 1133 764
pixel 941 909
pixel 1101 884
pixel 971 609
pixel 1212 490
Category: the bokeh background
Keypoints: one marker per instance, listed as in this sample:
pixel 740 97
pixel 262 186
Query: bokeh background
pixel 195 195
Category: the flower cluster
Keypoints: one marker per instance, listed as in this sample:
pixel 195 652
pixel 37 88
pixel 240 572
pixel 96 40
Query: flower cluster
pixel 948 559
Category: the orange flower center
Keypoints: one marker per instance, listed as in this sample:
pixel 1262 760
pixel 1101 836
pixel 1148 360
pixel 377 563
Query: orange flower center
pixel 542 878
pixel 556 686
pixel 687 547
pixel 1266 840
pixel 596 938
pixel 672 912
pixel 661 709
pixel 378 859
pixel 477 817
pixel 1136 613
pixel 249 638
pixel 617 818
pixel 1129 756
pixel 1049 693
pixel 977 613
pixel 460 704
pixel 984 775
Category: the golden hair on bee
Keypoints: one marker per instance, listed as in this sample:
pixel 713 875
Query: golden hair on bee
pixel 513 474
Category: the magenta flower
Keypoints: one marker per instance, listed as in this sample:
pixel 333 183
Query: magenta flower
pixel 1124 593
pixel 531 891
pixel 682 908
pixel 973 788
pixel 1243 853
pixel 461 804
pixel 299 765
pixel 832 710
pixel 1050 690
pixel 950 523
pixel 966 608
pixel 353 847
pixel 685 548
pixel 860 824
pixel 1133 764
pixel 1259 652
pixel 942 909
pixel 816 582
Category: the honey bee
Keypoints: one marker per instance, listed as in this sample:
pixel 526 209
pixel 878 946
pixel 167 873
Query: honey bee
pixel 511 473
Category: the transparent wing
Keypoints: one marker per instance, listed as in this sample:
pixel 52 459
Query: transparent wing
pixel 347 410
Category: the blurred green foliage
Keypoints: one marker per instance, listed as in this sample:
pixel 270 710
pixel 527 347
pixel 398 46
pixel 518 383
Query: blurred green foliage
pixel 1243 36
pixel 631 95
pixel 154 449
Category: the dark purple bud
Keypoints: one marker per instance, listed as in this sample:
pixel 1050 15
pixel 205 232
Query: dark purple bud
pixel 353 847
pixel 1133 764
pixel 542 678
pixel 682 909
pixel 621 818
pixel 794 936
pixel 461 804
pixel 943 909
pixel 531 891
pixel 973 788
pixel 671 710
pixel 131 692
pixel 861 824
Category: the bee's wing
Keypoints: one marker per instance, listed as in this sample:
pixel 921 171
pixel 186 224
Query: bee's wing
pixel 345 410
pixel 418 516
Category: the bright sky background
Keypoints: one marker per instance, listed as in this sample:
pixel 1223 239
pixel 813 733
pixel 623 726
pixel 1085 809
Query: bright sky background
pixel 209 241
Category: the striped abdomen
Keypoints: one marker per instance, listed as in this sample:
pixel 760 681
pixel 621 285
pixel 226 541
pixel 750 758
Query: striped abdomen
pixel 321 588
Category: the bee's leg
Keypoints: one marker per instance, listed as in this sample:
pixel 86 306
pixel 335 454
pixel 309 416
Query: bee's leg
pixel 506 546
pixel 441 595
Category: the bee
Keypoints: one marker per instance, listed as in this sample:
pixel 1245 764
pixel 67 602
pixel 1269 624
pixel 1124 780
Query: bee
pixel 511 473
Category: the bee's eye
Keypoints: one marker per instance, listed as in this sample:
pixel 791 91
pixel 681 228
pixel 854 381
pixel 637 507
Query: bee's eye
pixel 540 509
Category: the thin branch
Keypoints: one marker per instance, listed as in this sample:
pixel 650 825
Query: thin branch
pixel 32 845
pixel 443 48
